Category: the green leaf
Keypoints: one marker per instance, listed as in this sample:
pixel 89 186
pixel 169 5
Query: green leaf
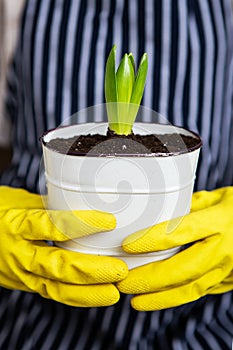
pixel 111 89
pixel 138 89
pixel 132 60
pixel 125 79
pixel 140 81
pixel 110 77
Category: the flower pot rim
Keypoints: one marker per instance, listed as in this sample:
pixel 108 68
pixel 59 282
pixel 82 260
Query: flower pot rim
pixel 146 155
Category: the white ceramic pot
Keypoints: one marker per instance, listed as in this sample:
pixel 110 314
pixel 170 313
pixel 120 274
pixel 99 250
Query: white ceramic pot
pixel 139 191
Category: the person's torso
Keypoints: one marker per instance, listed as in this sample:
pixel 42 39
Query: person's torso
pixel 59 69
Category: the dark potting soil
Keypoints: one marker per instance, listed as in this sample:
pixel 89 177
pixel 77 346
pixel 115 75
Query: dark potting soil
pixel 120 145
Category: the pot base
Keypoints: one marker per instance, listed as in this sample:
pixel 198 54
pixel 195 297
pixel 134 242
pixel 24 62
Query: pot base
pixel 132 261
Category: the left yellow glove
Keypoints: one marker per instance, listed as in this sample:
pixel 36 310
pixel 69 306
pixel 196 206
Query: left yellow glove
pixel 205 267
pixel 29 264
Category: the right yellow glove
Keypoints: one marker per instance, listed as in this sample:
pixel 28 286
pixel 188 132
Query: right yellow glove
pixel 29 264
pixel 204 267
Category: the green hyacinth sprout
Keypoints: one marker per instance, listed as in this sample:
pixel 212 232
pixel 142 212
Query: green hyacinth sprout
pixel 124 90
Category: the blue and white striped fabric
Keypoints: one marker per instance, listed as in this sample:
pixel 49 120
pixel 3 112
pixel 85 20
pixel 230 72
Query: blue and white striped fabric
pixel 58 69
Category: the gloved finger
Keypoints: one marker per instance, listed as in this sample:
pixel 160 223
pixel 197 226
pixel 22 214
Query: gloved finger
pixel 71 267
pixel 20 199
pixel 193 227
pixel 225 286
pixel 182 268
pixel 82 296
pixel 205 199
pixel 56 225
pixel 190 228
pixel 74 295
pixel 178 295
pixel 80 223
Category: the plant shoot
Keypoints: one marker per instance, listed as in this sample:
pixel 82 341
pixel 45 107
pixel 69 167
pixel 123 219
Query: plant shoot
pixel 124 90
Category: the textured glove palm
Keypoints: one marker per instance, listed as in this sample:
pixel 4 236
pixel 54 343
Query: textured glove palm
pixel 205 267
pixel 28 263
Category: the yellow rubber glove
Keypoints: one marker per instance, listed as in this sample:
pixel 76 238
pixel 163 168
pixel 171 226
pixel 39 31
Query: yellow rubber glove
pixel 204 267
pixel 30 264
